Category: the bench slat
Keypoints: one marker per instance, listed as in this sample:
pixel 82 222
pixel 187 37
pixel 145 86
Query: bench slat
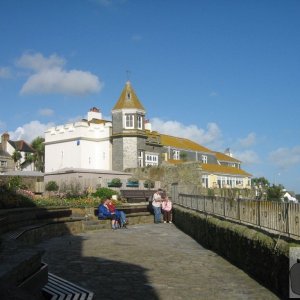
pixel 61 289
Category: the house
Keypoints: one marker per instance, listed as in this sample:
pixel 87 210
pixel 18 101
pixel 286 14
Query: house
pixel 7 150
pixel 6 161
pixel 289 196
pixel 128 141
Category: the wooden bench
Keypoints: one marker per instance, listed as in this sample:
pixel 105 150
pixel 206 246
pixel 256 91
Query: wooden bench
pixel 136 196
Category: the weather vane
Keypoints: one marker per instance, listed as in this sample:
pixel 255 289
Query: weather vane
pixel 128 75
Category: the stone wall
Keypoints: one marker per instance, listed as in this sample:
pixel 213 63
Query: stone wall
pixel 188 173
pixel 188 178
pixel 263 256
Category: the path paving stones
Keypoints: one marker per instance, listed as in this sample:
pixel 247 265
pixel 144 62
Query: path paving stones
pixel 151 261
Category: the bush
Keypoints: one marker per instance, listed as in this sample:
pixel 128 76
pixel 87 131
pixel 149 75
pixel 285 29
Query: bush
pixel 149 184
pixel 14 182
pixel 103 193
pixel 51 186
pixel 115 182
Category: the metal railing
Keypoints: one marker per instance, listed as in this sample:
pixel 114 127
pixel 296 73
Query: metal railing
pixel 276 216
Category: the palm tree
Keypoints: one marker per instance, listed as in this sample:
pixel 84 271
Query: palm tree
pixel 29 158
pixel 39 156
pixel 16 157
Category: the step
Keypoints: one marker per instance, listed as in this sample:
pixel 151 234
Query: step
pixel 58 288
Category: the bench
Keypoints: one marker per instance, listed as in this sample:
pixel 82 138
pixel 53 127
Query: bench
pixel 136 196
pixel 59 288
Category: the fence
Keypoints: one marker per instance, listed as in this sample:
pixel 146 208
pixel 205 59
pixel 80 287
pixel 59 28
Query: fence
pixel 276 216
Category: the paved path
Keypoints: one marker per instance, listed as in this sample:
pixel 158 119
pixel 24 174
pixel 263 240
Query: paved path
pixel 151 261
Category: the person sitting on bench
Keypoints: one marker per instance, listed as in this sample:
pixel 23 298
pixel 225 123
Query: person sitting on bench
pixel 120 215
pixel 104 213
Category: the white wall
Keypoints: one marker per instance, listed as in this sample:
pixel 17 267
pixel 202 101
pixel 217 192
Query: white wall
pixel 78 145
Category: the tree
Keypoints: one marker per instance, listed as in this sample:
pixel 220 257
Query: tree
pixel 262 181
pixel 29 158
pixel 16 157
pixel 39 156
pixel 275 192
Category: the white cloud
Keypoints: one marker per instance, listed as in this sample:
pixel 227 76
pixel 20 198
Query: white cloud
pixel 50 78
pixel 37 62
pixel 285 158
pixel 210 137
pixel 28 132
pixel 46 112
pixel 248 141
pixel 5 72
pixel 248 157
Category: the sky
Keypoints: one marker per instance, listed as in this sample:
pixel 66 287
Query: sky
pixel 223 73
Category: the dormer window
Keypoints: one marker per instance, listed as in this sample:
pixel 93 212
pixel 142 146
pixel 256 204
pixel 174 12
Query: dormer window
pixel 139 122
pixel 129 121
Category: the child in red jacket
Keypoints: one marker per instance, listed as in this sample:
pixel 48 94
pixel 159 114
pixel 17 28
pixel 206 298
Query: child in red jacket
pixel 166 207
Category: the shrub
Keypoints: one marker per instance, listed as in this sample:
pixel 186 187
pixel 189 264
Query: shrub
pixel 14 182
pixel 51 186
pixel 115 182
pixel 103 193
pixel 149 184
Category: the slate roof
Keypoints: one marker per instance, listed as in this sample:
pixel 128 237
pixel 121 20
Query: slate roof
pixel 221 169
pixel 182 143
pixel 21 146
pixel 128 99
pixel 223 157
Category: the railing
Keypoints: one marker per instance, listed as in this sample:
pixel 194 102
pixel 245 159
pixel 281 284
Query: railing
pixel 276 216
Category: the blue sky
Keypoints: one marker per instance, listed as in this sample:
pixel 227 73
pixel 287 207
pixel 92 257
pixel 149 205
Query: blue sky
pixel 224 73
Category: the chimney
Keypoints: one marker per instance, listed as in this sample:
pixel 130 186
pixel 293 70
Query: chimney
pixel 228 152
pixel 4 141
pixel 148 125
pixel 94 113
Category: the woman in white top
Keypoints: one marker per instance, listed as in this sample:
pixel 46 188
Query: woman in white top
pixel 156 204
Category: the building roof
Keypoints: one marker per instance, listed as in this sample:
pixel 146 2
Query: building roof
pixel 21 146
pixel 23 173
pixel 182 143
pixel 223 157
pixel 215 169
pixel 221 169
pixel 128 99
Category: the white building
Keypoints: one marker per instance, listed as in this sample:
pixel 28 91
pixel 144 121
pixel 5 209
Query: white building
pixel 83 145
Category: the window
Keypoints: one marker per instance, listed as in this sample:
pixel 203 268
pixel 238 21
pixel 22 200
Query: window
pixel 176 154
pixel 139 122
pixel 129 121
pixel 205 181
pixel 204 159
pixel 128 96
pixel 221 181
pixel 3 163
pixel 151 160
pixel 140 159
pixel 239 181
